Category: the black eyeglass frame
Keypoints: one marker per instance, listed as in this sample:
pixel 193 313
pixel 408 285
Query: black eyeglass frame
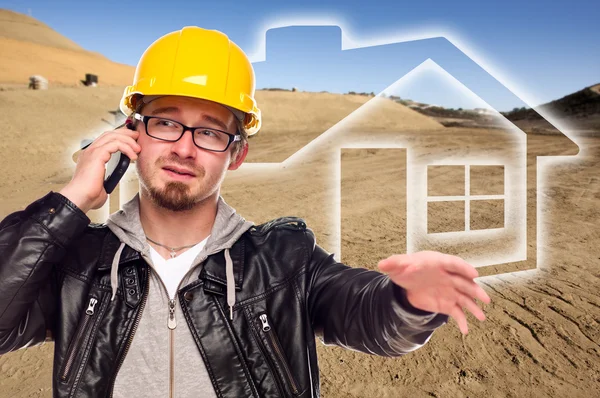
pixel 144 119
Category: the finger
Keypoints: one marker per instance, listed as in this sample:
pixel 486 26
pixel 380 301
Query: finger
pixel 468 303
pixel 126 131
pixel 109 148
pixel 128 141
pixel 460 318
pixel 132 143
pixel 457 265
pixel 469 288
pixel 108 136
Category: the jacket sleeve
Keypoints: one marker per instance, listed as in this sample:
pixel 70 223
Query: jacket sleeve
pixel 32 241
pixel 363 310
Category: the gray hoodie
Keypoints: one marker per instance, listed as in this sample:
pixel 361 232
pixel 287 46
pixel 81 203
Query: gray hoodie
pixel 163 361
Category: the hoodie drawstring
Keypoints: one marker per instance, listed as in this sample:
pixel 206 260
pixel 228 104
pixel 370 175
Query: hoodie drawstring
pixel 114 271
pixel 230 283
pixel 114 277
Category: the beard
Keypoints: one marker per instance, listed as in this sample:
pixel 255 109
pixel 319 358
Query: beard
pixel 174 196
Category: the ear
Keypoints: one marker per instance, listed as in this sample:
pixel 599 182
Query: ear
pixel 239 159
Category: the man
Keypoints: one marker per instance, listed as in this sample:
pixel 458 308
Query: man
pixel 177 294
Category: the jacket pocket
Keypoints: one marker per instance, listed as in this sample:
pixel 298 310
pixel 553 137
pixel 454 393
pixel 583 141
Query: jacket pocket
pixel 75 347
pixel 275 355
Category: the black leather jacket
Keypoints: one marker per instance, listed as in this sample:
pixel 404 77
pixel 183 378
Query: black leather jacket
pixel 288 288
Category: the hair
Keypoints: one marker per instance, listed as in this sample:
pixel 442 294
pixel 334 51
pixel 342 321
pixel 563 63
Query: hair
pixel 236 146
pixel 239 145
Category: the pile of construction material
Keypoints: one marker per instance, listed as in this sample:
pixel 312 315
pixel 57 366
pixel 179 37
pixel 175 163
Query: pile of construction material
pixel 37 82
pixel 90 80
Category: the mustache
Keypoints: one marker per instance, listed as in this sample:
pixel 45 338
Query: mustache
pixel 176 161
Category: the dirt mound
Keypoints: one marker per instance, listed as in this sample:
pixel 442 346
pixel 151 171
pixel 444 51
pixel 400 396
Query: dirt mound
pixel 580 109
pixel 293 119
pixel 60 66
pixel 16 26
pixel 29 47
pixel 579 105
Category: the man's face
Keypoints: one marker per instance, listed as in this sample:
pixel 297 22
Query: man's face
pixel 204 170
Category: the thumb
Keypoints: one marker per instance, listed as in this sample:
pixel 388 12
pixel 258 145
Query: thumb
pixel 394 264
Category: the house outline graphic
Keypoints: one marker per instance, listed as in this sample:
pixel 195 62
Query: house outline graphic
pixel 488 266
pixel 491 267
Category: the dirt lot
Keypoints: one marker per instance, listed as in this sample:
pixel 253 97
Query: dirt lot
pixel 542 333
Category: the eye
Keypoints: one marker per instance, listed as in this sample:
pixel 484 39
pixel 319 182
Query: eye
pixel 165 123
pixel 207 133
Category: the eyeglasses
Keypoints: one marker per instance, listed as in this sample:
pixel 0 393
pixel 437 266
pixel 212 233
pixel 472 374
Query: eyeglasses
pixel 172 131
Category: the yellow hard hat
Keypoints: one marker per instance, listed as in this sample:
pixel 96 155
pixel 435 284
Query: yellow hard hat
pixel 199 63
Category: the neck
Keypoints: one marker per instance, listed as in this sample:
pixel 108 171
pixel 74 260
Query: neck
pixel 178 228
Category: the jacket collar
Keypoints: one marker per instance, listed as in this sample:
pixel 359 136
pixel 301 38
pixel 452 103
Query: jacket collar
pixel 214 269
pixel 214 265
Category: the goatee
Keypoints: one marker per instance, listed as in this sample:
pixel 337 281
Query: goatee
pixel 175 196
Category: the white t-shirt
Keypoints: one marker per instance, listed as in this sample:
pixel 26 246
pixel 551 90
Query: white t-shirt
pixel 172 271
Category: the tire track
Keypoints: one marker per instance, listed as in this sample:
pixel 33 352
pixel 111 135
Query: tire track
pixel 527 308
pixel 573 321
pixel 595 305
pixel 564 354
pixel 567 339
pixel 551 372
pixel 528 327
pixel 556 296
pixel 553 276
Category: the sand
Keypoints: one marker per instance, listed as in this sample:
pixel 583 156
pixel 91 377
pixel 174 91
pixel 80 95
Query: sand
pixel 541 337
pixel 542 333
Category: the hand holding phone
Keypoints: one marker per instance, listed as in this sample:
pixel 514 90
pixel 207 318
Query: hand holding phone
pixel 100 166
pixel 116 168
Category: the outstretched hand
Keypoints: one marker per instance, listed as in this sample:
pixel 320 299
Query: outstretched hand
pixel 437 282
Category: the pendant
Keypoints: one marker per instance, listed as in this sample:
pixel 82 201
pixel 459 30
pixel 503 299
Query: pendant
pixel 173 253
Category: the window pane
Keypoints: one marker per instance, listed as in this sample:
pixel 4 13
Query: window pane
pixel 487 214
pixel 373 204
pixel 446 180
pixel 487 180
pixel 446 216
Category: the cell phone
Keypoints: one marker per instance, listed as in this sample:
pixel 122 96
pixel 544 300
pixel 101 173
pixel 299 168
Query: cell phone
pixel 116 168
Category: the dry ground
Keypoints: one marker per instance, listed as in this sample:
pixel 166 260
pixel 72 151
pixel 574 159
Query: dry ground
pixel 542 333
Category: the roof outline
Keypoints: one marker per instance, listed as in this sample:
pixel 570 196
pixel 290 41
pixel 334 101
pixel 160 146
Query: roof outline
pixel 350 41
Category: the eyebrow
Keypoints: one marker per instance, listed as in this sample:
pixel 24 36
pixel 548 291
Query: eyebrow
pixel 216 121
pixel 208 118
pixel 165 109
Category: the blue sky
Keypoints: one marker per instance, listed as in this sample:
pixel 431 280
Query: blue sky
pixel 540 50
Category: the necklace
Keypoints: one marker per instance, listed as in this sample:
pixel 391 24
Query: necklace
pixel 173 250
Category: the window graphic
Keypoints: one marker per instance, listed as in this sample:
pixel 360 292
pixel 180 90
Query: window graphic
pixel 475 201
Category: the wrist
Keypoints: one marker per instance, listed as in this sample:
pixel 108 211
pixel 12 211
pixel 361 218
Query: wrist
pixel 400 294
pixel 76 198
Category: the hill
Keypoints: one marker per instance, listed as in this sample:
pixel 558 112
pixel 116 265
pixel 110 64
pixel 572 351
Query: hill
pixel 16 26
pixel 29 47
pixel 581 109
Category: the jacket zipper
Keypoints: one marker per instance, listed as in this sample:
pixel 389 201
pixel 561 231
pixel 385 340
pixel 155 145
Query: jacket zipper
pixel 133 330
pixel 79 335
pixel 276 346
pixel 171 324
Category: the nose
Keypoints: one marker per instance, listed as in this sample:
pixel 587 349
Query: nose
pixel 185 147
